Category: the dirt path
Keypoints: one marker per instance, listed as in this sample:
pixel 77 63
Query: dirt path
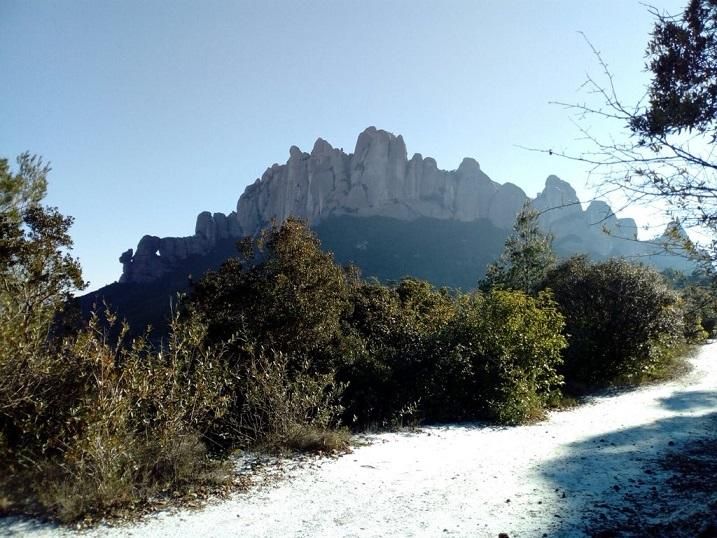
pixel 606 465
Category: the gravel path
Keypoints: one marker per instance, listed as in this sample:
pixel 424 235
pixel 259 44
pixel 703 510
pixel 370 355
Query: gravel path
pixel 604 465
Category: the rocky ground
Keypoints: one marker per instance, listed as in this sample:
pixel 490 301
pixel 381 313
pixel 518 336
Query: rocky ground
pixel 634 463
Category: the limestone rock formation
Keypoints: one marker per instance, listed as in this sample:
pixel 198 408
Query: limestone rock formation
pixel 378 179
pixel 156 256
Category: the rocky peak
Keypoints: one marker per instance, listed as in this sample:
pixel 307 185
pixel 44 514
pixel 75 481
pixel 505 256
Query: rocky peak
pixel 469 167
pixel 376 180
pixel 295 153
pixel 557 201
pixel 557 193
pixel 321 148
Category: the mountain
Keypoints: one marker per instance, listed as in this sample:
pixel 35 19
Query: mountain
pixel 390 215
pixel 376 180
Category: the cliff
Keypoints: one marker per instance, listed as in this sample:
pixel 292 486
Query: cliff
pixel 378 180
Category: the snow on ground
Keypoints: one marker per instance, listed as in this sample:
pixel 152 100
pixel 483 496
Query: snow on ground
pixel 598 464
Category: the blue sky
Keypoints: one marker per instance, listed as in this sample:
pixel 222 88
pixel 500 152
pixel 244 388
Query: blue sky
pixel 152 111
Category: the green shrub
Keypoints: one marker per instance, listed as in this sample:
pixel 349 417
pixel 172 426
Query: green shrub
pixel 498 358
pixel 282 291
pixel 392 329
pixel 700 308
pixel 90 428
pixel 624 324
pixel 281 403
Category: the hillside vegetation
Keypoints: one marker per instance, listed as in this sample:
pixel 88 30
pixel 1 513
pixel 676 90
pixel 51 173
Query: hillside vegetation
pixel 283 348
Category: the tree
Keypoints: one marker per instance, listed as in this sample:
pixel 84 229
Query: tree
pixel 37 273
pixel 37 277
pixel 683 61
pixel 667 155
pixel 282 291
pixel 526 257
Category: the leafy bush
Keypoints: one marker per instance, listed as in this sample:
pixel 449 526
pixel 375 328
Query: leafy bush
pixel 699 296
pixel 86 426
pixel 498 358
pixel 623 322
pixel 282 291
pixel 279 306
pixel 392 330
pixel 700 307
pixel 285 409
pixel 431 356
pixel 90 427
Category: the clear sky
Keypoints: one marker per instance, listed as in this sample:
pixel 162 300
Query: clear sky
pixel 152 111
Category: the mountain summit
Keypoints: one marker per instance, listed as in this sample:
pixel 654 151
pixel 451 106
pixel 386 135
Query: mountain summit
pixel 379 180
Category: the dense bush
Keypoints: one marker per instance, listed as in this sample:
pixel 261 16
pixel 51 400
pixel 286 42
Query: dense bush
pixel 498 358
pixel 279 307
pixel 285 407
pixel 699 296
pixel 281 291
pixel 89 427
pixel 398 352
pixel 86 426
pixel 433 356
pixel 392 332
pixel 700 306
pixel 623 322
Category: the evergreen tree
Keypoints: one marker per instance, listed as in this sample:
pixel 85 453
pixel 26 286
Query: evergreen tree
pixel 526 257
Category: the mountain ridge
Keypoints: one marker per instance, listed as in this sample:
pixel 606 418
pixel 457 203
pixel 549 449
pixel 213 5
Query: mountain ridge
pixel 378 180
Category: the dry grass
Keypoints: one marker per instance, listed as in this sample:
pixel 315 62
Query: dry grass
pixel 309 439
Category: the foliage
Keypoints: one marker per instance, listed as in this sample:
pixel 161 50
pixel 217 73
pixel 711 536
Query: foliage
pixel 666 157
pixel 499 358
pixel 85 426
pixel 392 329
pixel 526 257
pixel 282 291
pixel 700 307
pixel 281 408
pixel 273 350
pixel 37 383
pixel 90 427
pixel 37 274
pixel 699 297
pixel 432 356
pixel 683 62
pixel 622 320
pixel 385 248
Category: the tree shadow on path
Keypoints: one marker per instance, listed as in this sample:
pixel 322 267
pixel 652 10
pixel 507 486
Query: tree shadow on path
pixel 690 401
pixel 659 479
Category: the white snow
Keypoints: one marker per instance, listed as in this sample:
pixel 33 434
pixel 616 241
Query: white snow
pixel 467 480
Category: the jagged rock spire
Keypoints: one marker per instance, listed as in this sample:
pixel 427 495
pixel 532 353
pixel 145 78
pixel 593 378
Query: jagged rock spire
pixel 377 179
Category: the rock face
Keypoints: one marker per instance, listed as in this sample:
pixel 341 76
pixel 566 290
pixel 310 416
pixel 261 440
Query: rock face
pixel 378 179
pixel 156 256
